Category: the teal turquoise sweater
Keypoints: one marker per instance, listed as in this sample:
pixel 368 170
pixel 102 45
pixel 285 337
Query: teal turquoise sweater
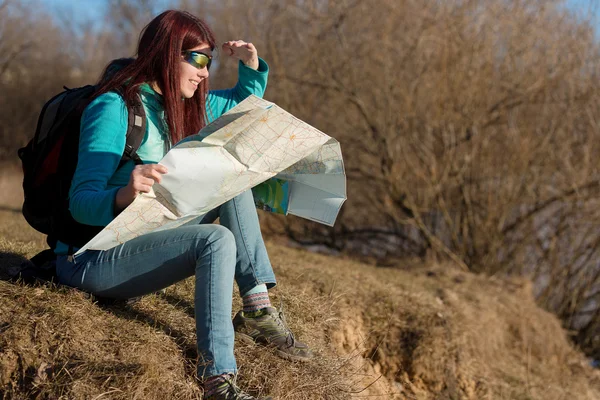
pixel 102 142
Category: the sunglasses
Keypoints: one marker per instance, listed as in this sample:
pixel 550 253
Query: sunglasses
pixel 197 59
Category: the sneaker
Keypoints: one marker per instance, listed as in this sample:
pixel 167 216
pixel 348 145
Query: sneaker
pixel 229 391
pixel 268 327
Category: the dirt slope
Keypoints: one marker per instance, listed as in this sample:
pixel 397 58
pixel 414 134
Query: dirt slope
pixel 429 332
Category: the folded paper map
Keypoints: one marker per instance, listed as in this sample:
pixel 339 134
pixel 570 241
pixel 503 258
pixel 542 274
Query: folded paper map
pixel 292 167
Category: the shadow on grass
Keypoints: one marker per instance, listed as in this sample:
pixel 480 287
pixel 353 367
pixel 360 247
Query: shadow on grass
pixel 11 264
pixel 180 302
pixel 15 210
pixel 124 310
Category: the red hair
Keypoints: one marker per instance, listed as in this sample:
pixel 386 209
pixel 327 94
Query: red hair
pixel 158 56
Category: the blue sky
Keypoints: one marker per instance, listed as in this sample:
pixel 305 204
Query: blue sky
pixel 84 9
pixel 584 7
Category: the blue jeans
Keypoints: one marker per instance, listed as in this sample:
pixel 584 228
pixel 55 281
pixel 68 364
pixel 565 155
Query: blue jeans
pixel 214 254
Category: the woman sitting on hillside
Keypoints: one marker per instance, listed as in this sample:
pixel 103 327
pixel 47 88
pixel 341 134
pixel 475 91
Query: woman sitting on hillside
pixel 171 75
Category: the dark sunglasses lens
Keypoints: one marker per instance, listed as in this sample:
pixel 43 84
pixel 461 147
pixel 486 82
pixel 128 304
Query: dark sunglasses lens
pixel 199 60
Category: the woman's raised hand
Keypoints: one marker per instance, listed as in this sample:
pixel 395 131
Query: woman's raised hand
pixel 245 52
pixel 141 180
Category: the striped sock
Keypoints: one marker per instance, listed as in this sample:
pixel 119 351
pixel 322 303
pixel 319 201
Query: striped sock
pixel 256 299
pixel 214 383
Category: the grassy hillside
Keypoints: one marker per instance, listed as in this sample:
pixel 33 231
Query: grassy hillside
pixel 404 332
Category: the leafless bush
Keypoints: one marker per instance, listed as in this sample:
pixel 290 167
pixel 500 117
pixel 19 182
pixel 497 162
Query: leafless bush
pixel 469 130
pixel 25 65
pixel 39 55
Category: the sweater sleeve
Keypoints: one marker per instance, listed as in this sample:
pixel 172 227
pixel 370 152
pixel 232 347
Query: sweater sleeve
pixel 250 81
pixel 101 145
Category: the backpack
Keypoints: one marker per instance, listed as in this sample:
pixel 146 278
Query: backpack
pixel 50 158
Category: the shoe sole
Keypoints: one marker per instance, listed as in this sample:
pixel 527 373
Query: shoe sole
pixel 249 340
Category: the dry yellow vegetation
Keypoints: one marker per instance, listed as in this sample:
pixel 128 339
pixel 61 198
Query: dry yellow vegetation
pixel 409 331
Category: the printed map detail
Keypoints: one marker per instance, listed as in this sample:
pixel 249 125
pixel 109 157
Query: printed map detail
pixel 250 144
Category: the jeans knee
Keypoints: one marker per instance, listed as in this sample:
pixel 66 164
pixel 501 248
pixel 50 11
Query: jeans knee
pixel 219 241
pixel 222 237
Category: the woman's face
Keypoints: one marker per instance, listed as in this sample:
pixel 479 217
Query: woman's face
pixel 191 73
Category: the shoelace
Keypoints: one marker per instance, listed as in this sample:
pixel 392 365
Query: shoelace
pixel 281 321
pixel 234 390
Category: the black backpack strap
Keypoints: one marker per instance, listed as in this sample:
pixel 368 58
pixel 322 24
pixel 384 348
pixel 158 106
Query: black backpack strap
pixel 136 129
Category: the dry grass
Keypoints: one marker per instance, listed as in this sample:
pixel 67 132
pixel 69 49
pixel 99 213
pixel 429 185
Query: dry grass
pixel 439 333
pixel 392 333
